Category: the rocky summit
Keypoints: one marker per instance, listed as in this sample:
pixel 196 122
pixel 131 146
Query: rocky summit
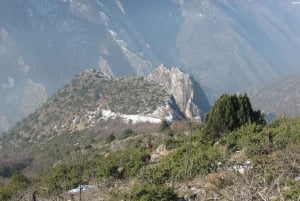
pixel 91 98
pixel 187 93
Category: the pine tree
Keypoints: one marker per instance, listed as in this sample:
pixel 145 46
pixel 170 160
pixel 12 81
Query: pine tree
pixel 229 113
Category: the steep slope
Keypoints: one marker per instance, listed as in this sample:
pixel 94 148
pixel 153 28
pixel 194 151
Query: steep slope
pixel 188 94
pixel 279 97
pixel 91 98
pixel 83 115
pixel 231 45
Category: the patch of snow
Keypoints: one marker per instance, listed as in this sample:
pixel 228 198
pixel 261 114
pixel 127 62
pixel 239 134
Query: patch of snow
pixel 139 118
pixel 107 114
pixel 133 118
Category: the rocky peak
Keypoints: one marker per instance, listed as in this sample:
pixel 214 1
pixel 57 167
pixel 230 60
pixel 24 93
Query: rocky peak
pixel 187 93
pixel 93 101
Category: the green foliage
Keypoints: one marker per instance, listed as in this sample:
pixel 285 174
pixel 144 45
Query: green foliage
pixel 249 137
pixel 185 162
pixel 64 177
pixel 126 133
pixel 172 142
pixel 229 113
pixel 150 192
pixel 293 193
pixel 285 131
pixel 18 183
pixel 123 164
pixel 108 167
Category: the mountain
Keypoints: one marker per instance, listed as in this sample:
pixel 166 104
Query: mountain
pixel 280 97
pixel 87 110
pixel 91 100
pixel 187 93
pixel 226 45
pixel 231 45
pixel 94 107
pixel 48 42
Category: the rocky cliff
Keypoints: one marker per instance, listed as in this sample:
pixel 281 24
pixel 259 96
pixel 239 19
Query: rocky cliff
pixel 187 93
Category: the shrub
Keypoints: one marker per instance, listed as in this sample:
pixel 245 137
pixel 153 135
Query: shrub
pixel 18 182
pixel 164 125
pixel 111 137
pixel 150 192
pixel 126 133
pixel 187 161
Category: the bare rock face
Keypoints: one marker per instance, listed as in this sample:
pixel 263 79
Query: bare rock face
pixel 187 93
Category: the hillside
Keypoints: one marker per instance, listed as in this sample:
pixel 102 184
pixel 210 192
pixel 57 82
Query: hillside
pixel 280 97
pixel 92 99
pixel 232 45
pixel 253 161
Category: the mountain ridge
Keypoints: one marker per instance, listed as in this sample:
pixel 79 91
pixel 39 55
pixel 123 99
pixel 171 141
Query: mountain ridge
pixel 280 97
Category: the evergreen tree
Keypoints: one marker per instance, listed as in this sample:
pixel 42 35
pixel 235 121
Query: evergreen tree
pixel 229 113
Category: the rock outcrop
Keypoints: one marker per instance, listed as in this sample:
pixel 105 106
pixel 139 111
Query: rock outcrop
pixel 187 93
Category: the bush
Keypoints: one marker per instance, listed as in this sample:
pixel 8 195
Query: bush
pixel 172 142
pixel 18 183
pixel 293 193
pixel 150 192
pixel 110 138
pixel 186 162
pixel 249 137
pixel 126 133
pixel 124 163
pixel 164 125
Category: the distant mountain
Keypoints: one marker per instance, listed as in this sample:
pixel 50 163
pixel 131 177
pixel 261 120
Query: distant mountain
pixel 279 97
pixel 226 45
pixel 230 45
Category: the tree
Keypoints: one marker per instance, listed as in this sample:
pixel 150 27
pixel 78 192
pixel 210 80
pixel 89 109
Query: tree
pixel 229 113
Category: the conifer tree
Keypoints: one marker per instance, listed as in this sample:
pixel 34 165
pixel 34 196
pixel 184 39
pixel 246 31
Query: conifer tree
pixel 229 113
